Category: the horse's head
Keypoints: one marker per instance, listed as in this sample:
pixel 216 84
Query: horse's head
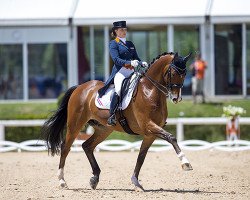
pixel 175 75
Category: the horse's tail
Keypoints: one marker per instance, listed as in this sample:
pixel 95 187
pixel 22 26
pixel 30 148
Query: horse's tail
pixel 53 129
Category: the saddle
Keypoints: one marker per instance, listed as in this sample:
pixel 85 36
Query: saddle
pixel 129 86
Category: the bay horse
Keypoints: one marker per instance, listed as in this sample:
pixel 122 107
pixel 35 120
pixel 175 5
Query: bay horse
pixel 146 115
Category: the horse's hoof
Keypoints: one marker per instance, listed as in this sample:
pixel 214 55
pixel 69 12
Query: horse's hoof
pixel 187 167
pixel 93 182
pixel 138 186
pixel 139 189
pixel 62 184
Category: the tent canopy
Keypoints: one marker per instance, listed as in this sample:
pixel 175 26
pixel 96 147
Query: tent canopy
pixel 140 11
pixel 230 11
pixel 136 12
pixel 35 12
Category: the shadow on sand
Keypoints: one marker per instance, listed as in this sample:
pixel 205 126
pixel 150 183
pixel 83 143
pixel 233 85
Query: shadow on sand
pixel 195 191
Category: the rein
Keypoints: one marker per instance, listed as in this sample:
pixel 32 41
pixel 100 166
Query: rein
pixel 158 85
pixel 170 85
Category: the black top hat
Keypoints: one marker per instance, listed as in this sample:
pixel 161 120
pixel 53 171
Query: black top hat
pixel 120 24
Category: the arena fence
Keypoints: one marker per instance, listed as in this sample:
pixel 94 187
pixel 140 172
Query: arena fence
pixel 122 145
pixel 179 122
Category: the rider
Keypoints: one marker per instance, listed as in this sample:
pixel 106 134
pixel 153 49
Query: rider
pixel 125 58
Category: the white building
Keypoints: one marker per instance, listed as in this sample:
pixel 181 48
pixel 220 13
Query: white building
pixel 48 45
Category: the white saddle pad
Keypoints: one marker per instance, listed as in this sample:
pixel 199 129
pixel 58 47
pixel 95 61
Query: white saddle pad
pixel 104 102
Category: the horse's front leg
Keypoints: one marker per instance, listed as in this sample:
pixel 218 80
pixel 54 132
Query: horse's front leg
pixel 161 133
pixel 146 143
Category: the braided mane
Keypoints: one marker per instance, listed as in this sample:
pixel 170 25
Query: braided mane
pixel 163 54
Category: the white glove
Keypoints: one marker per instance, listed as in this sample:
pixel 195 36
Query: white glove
pixel 144 64
pixel 134 63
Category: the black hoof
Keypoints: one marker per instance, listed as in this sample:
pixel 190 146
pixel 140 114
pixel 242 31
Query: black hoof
pixel 93 182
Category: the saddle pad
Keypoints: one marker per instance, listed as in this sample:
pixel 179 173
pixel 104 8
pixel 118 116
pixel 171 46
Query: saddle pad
pixel 104 102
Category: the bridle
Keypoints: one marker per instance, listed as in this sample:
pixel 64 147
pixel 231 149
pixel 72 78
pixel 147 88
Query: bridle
pixel 180 71
pixel 167 90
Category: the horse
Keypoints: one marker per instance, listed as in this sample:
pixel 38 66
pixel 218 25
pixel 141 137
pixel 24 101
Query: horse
pixel 146 115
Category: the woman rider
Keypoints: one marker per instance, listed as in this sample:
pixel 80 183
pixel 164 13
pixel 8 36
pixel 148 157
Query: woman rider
pixel 125 58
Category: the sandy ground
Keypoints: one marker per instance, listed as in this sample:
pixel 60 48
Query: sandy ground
pixel 216 175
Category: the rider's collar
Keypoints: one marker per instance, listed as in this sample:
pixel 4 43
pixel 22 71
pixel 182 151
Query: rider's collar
pixel 118 39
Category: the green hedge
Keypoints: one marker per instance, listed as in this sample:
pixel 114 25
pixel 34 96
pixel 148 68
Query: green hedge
pixel 186 108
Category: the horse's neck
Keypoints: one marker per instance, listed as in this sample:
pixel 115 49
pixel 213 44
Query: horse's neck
pixel 157 70
pixel 155 78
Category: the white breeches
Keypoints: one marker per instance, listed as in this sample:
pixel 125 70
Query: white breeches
pixel 119 77
pixel 232 137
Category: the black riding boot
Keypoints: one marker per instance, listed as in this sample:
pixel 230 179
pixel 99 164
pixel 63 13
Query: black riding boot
pixel 113 108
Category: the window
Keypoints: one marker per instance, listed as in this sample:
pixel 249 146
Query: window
pixel 99 53
pixel 248 59
pixel 186 40
pixel 83 54
pixel 47 68
pixel 11 72
pixel 84 48
pixel 149 42
pixel 228 59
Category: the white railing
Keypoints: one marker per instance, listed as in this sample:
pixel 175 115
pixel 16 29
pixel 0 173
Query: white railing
pixel 122 145
pixel 17 123
pixel 179 122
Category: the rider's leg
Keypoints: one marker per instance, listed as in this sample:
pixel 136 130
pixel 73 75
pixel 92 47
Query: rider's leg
pixel 119 77
pixel 113 108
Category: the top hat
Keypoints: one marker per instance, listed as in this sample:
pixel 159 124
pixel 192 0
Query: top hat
pixel 120 24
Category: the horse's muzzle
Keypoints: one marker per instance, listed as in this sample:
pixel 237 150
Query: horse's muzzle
pixel 177 100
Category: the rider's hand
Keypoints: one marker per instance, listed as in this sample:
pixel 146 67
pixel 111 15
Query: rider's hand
pixel 134 63
pixel 144 64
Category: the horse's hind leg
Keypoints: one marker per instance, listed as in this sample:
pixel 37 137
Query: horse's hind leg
pixel 73 128
pixel 101 133
pixel 161 133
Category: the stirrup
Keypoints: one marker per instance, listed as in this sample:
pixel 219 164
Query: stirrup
pixel 112 120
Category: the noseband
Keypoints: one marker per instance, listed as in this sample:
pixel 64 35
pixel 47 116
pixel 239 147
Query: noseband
pixel 168 88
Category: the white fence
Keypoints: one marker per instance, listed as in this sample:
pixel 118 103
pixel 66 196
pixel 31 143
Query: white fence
pixel 179 122
pixel 122 145
pixel 17 123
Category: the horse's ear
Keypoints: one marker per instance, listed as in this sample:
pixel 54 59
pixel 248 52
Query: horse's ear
pixel 175 57
pixel 187 57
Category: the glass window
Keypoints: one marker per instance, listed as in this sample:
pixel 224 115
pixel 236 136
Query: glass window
pixel 149 42
pixel 83 54
pixel 47 70
pixel 248 59
pixel 11 72
pixel 228 59
pixel 99 53
pixel 186 40
pixel 139 38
